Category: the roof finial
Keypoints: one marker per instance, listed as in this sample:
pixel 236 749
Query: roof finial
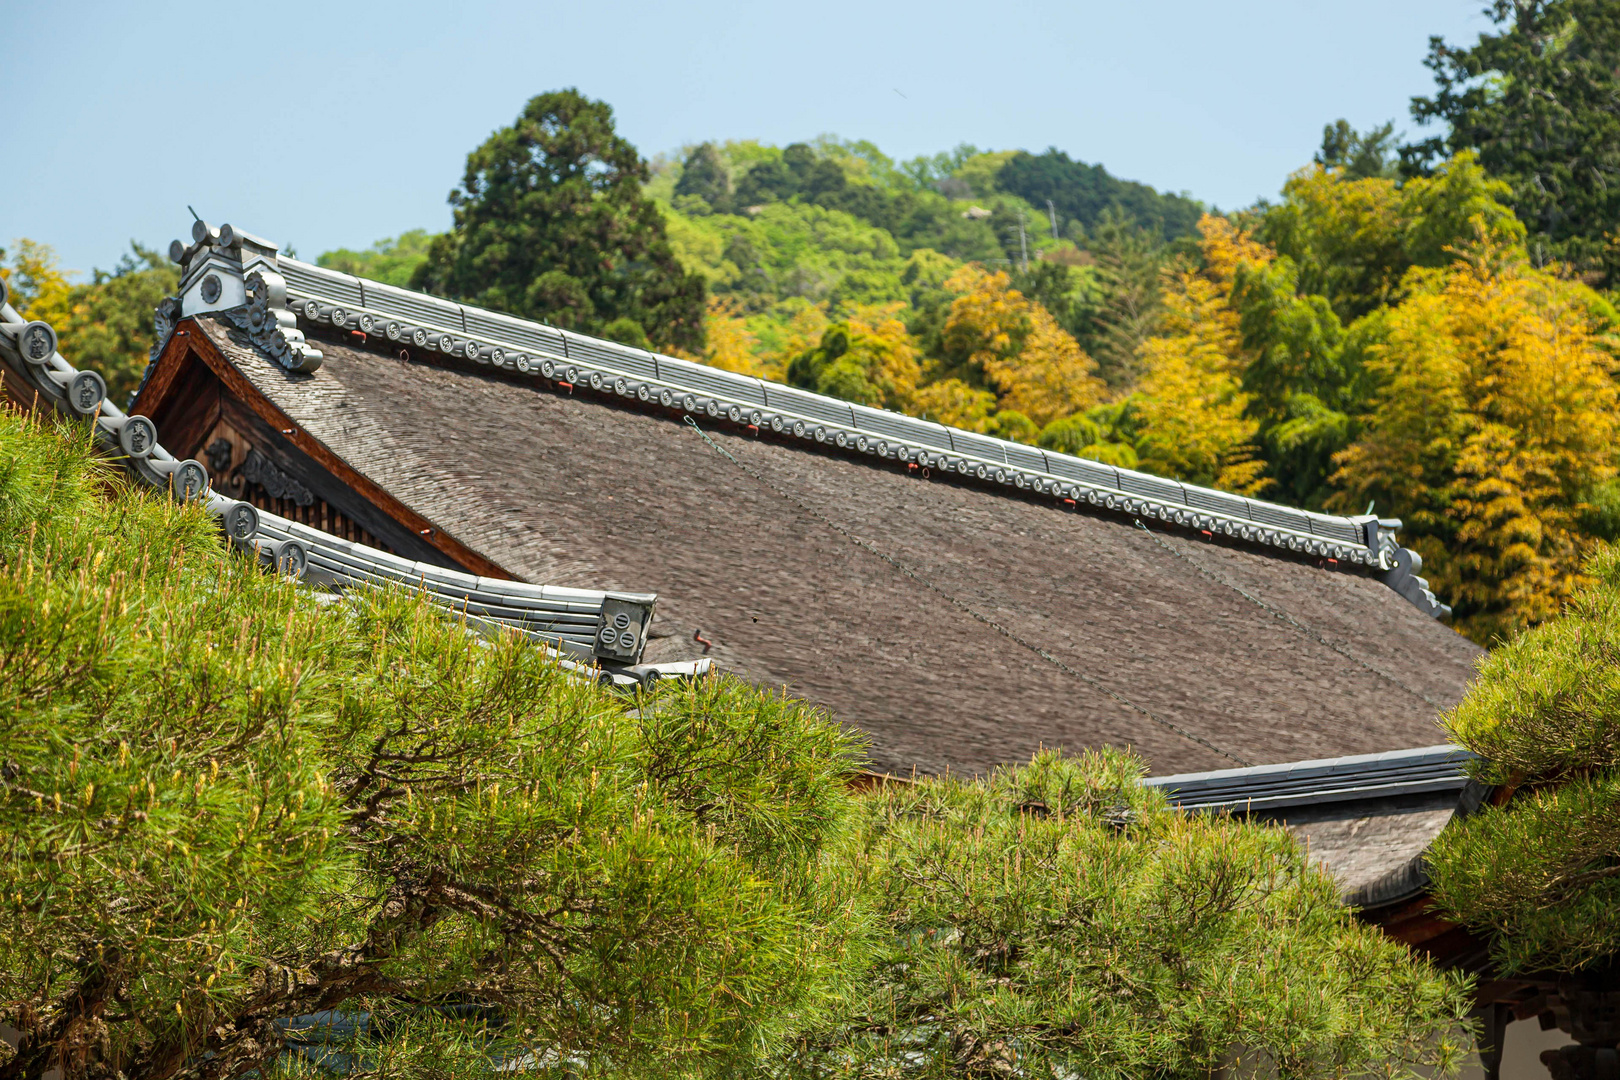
pixel 194 213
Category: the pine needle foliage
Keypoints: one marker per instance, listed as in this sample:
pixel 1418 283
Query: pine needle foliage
pixel 1060 920
pixel 1540 875
pixel 224 804
pixel 238 821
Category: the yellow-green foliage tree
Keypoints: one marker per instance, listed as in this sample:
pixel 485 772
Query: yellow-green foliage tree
pixel 955 402
pixel 38 288
pixel 1353 239
pixel 1190 410
pixel 867 357
pixel 105 323
pixel 1493 427
pixel 997 339
pixel 731 346
pixel 1343 244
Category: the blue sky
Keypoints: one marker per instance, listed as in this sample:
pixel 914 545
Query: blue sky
pixel 334 124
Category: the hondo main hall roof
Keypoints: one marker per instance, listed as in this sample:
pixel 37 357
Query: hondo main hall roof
pixel 962 600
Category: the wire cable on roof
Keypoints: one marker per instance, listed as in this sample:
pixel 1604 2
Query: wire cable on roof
pixel 1285 617
pixel 962 605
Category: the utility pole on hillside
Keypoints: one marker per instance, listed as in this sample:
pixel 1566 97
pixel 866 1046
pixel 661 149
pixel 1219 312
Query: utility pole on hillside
pixel 1023 241
pixel 1051 212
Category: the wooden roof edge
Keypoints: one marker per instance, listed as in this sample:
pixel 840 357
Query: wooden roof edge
pixel 190 339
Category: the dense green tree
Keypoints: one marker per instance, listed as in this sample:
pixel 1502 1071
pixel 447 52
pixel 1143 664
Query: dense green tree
pixel 1082 192
pixel 1303 385
pixel 1339 251
pixel 1102 433
pixel 1067 292
pixel 1536 102
pixel 925 171
pixel 1360 155
pixel 705 176
pixel 800 171
pixel 551 223
pixel 393 261
pixel 857 179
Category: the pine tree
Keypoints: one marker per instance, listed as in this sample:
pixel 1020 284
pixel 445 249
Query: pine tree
pixel 1538 873
pixel 225 805
pixel 1058 919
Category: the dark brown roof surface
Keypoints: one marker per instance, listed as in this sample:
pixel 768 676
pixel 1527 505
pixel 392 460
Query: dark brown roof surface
pixel 576 490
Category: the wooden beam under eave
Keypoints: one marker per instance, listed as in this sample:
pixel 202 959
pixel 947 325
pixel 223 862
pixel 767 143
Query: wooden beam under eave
pixel 168 382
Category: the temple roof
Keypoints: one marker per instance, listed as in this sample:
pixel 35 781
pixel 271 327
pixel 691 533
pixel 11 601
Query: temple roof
pixel 959 623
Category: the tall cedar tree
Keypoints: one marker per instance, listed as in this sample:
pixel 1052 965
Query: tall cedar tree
pixel 1128 301
pixel 551 223
pixel 1360 155
pixel 1537 102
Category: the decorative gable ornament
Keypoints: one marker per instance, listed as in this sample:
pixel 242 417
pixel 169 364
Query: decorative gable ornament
pixel 236 274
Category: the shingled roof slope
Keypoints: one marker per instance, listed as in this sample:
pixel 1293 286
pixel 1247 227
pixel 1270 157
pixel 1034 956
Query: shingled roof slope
pixel 893 632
